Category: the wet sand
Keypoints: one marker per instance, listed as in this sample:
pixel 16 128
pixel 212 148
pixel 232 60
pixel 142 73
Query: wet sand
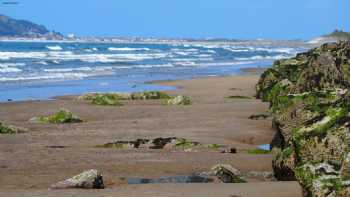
pixel 28 167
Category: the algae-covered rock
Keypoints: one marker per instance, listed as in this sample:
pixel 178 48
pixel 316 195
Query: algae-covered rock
pixel 310 103
pixel 180 100
pixel 10 129
pixel 115 98
pixel 91 179
pixel 60 117
pixel 150 95
pixel 227 174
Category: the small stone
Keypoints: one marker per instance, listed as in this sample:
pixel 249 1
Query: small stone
pixel 90 179
pixel 227 173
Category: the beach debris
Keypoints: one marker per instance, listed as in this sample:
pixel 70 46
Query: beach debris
pixel 230 150
pixel 227 174
pixel 265 175
pixel 180 100
pixel 10 129
pixel 238 97
pixel 91 179
pixel 125 144
pixel 60 117
pixel 259 116
pixel 157 143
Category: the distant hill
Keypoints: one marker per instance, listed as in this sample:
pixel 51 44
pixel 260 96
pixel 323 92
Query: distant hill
pixel 337 35
pixel 10 27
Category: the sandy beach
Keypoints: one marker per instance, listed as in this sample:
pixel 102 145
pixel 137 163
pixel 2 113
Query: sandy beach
pixel 30 162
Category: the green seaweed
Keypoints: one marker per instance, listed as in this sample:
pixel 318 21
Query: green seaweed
pixel 106 99
pixel 60 117
pixel 256 151
pixel 239 97
pixel 179 100
pixel 6 129
pixel 214 146
pixel 185 143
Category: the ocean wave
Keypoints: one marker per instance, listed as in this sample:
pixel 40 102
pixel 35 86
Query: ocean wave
pixel 5 65
pixel 54 76
pixel 127 49
pixel 70 56
pixel 155 66
pixel 9 70
pixel 90 69
pixel 54 48
pixel 22 55
pixel 208 64
pixel 11 67
pixel 259 57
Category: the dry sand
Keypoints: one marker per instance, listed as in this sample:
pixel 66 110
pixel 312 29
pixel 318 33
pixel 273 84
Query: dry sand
pixel 28 167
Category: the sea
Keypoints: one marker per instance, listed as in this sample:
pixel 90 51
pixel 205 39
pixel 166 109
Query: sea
pixel 43 70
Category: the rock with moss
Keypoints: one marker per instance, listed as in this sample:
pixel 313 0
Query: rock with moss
pixel 91 179
pixel 180 100
pixel 227 174
pixel 310 104
pixel 150 95
pixel 60 117
pixel 115 98
pixel 10 129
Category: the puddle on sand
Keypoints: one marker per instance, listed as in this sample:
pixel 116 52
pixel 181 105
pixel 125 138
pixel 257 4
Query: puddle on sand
pixel 265 147
pixel 170 179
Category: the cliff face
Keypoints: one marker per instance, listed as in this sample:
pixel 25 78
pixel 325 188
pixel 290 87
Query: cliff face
pixel 20 28
pixel 310 102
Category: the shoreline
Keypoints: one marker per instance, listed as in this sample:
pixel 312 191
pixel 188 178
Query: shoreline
pixel 242 72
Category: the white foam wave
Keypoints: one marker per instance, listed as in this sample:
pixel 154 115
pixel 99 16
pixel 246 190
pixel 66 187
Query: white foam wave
pixel 259 57
pixel 9 70
pixel 5 65
pixel 87 69
pixel 155 66
pixel 208 64
pixel 11 67
pixel 55 76
pixel 127 49
pixel 54 48
pixel 70 56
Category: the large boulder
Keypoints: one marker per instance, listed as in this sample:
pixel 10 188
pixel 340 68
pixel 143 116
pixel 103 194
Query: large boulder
pixel 91 179
pixel 310 103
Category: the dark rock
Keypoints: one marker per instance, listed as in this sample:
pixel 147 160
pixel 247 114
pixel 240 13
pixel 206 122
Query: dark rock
pixel 227 173
pixel 310 104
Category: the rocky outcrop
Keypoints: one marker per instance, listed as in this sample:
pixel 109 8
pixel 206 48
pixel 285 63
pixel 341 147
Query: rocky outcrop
pixel 310 103
pixel 21 28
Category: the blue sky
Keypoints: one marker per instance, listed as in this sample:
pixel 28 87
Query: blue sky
pixel 243 19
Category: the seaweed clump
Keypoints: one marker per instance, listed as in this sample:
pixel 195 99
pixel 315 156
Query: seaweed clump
pixel 60 117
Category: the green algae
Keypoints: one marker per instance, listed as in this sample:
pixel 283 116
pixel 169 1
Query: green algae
pixel 239 97
pixel 60 117
pixel 6 129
